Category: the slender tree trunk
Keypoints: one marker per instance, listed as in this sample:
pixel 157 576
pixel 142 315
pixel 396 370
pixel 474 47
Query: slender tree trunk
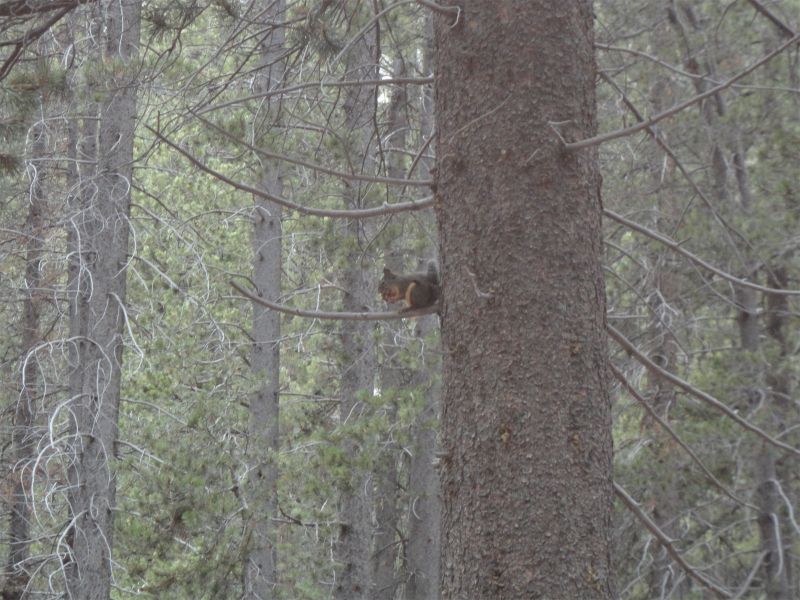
pixel 775 540
pixel 424 510
pixel 355 577
pixel 663 303
pixel 100 238
pixel 526 476
pixel 261 560
pixel 23 438
pixel 423 547
pixel 394 377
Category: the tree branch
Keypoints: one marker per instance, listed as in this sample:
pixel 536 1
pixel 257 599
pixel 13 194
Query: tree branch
pixel 662 538
pixel 315 166
pixel 785 29
pixel 649 122
pixel 648 364
pixel 29 37
pixel 651 411
pixel 21 8
pixel 659 139
pixel 673 245
pixel 341 316
pixel 363 213
pixel 321 85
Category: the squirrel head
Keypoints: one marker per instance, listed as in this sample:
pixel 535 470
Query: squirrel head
pixel 388 287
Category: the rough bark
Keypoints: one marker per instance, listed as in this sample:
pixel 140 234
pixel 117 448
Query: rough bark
pixel 99 238
pixel 260 571
pixel 526 473
pixel 23 438
pixel 355 577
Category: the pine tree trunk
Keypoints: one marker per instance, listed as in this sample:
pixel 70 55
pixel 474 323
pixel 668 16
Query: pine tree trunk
pixel 526 472
pixel 424 531
pixel 394 376
pixel 100 250
pixel 355 577
pixel 260 572
pixel 23 437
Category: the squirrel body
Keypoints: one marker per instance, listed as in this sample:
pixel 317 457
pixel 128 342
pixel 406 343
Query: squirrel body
pixel 416 290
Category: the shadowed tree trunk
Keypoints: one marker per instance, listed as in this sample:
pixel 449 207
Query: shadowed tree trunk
pixel 526 472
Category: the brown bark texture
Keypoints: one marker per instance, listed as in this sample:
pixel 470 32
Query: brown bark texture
pixel 526 466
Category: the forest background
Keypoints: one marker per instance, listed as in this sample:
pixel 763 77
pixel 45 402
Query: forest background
pixel 170 168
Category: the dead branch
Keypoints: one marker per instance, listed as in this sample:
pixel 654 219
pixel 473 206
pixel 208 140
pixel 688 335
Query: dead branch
pixel 628 346
pixel 665 541
pixel 663 424
pixel 650 121
pixel 673 245
pixel 340 316
pixel 386 209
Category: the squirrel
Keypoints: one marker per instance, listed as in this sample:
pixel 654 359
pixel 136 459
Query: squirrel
pixel 416 290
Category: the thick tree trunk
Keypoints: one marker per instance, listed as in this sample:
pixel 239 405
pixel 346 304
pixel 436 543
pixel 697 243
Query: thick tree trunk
pixel 100 239
pixel 526 472
pixel 260 570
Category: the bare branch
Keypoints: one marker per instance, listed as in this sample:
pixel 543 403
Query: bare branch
pixel 341 316
pixel 638 397
pixel 628 346
pixel 659 139
pixel 651 58
pixel 30 36
pixel 673 245
pixel 650 121
pixel 363 213
pixel 21 8
pixel 665 541
pixel 315 166
pixel 785 29
pixel 745 587
pixel 321 85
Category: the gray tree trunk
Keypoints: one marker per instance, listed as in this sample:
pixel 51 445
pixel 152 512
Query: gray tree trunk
pixel 393 376
pixel 663 301
pixel 423 545
pixel 23 438
pixel 260 570
pixel 99 239
pixel 526 472
pixel 776 537
pixel 355 577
